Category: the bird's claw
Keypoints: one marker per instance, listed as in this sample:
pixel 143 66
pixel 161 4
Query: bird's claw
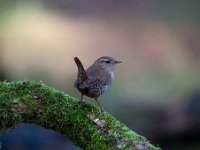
pixel 82 102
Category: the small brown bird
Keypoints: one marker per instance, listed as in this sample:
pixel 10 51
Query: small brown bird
pixel 96 79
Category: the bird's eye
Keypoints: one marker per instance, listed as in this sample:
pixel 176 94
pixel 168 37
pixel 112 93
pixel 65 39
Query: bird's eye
pixel 107 62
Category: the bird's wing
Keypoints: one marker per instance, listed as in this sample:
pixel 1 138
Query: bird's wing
pixel 94 83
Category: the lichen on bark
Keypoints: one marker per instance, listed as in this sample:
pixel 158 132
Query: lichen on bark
pixel 36 103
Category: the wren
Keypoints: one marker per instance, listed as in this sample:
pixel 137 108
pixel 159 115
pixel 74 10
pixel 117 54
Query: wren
pixel 94 81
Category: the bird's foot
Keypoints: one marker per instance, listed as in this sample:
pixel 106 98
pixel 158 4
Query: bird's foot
pixel 101 111
pixel 82 102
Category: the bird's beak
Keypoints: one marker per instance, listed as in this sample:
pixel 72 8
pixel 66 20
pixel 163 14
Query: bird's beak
pixel 118 62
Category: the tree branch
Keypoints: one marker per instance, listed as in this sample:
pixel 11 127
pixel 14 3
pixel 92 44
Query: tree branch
pixel 37 103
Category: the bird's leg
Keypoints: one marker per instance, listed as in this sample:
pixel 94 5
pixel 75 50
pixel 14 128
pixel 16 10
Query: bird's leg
pixel 101 108
pixel 81 102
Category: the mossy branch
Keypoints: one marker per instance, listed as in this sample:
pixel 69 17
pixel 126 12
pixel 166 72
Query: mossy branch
pixel 37 103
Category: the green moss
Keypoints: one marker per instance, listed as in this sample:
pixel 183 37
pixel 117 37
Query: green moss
pixel 35 102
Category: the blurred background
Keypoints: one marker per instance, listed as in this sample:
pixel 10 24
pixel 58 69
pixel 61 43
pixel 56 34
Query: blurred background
pixel 156 91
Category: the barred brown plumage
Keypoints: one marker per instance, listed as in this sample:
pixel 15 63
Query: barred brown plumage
pixel 96 79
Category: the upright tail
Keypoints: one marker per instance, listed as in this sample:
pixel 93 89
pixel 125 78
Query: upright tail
pixel 82 76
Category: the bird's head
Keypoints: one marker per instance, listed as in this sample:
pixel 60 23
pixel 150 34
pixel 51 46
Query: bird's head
pixel 107 63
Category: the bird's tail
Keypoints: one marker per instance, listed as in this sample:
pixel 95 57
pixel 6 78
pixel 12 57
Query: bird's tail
pixel 82 76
